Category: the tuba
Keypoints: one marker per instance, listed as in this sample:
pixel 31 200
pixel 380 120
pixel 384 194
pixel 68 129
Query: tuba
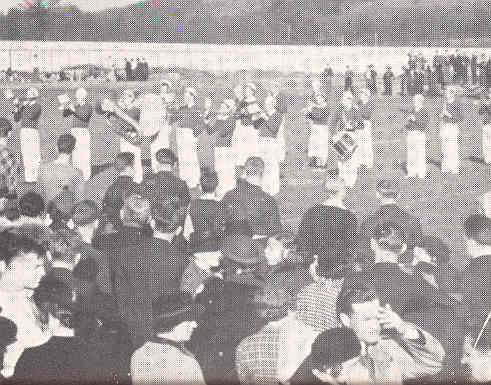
pixel 122 124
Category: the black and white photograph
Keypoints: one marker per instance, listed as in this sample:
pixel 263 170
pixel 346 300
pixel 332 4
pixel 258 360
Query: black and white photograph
pixel 225 192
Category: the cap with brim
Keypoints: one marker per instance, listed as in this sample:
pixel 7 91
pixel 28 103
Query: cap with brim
pixel 171 310
pixel 242 249
pixel 165 156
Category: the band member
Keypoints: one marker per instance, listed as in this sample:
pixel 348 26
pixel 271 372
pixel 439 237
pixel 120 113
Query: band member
pixel 189 126
pixel 485 112
pixel 348 120
pixel 449 133
pixel 281 106
pixel 127 104
pixel 318 114
pixel 269 125
pixel 416 127
pixel 28 113
pixel 366 107
pixel 81 112
pixel 388 77
pixel 348 79
pixel 246 136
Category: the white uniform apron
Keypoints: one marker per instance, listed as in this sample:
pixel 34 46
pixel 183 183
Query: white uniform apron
pixel 268 151
pixel 30 147
pixel 187 145
pixel 81 155
pixel 449 134
pixel 318 146
pixel 365 145
pixel 225 169
pixel 416 153
pixel 486 143
pixel 245 142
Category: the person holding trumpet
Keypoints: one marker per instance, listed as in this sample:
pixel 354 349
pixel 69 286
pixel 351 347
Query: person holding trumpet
pixel 317 113
pixel 28 111
pixel 451 116
pixel 485 111
pixel 417 123
pixel 81 113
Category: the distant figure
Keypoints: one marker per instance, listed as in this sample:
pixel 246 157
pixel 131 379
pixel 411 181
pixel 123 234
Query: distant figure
pixel 388 77
pixel 127 69
pixel 348 79
pixel 326 78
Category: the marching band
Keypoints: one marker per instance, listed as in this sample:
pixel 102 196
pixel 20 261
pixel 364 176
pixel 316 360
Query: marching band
pixel 241 128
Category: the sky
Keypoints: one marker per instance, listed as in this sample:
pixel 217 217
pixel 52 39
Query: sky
pixel 86 5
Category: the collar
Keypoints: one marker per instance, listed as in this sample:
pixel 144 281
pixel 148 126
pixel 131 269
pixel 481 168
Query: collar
pixel 123 175
pixel 208 196
pixel 164 236
pixel 334 202
pixel 61 265
pixel 63 159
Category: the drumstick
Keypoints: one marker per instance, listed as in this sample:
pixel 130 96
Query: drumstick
pixel 482 329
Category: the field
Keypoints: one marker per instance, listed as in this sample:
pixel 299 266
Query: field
pixel 441 201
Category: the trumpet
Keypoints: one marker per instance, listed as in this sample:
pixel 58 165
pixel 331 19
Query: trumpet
pixel 121 123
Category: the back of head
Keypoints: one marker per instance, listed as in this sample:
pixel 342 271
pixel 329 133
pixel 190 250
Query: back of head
pixel 478 228
pixel 85 213
pixel 14 245
pixel 136 209
pixel 166 215
pixel 254 167
pixel 31 205
pixel 66 144
pixel 5 127
pixel 390 237
pixel 208 181
pixel 62 245
pixel 124 160
pixel 55 297
pixel 165 156
pixel 388 189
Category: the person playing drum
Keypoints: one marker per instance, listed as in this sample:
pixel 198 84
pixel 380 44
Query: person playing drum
pixel 346 126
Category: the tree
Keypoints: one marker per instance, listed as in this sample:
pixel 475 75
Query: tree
pixel 38 11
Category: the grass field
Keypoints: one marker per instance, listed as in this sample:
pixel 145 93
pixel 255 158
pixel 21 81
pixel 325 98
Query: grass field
pixel 441 201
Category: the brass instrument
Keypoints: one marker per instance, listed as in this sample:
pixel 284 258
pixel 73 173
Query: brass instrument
pixel 122 124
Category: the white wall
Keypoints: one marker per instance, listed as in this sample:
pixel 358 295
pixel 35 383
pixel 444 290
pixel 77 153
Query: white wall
pixel 53 55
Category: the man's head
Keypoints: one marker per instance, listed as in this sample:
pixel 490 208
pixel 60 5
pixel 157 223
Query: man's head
pixel 125 163
pixel 476 357
pixel 5 128
pixel 165 87
pixel 388 242
pixel 387 191
pixel 66 144
pixel 62 245
pixel 22 261
pixel 357 307
pixel 85 216
pixel 166 159
pixel 208 181
pixel 32 205
pixel 136 210
pixel 320 99
pixel 166 215
pixel 477 229
pixel 277 247
pixel 254 169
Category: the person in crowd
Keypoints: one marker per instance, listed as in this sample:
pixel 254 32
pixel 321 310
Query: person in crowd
pixel 9 168
pixel 206 215
pixel 347 120
pixel 317 113
pixel 392 350
pixel 28 113
pixel 248 201
pixel 327 359
pixel 85 221
pixel 366 106
pixel 328 229
pixel 32 211
pixel 281 102
pixel 485 112
pixel 388 78
pixel 388 192
pixel 404 81
pixel 224 126
pixel 123 187
pixel 326 78
pixel 205 265
pixel 451 116
pixel 8 335
pixel 348 79
pixel 22 266
pixel 82 112
pixel 164 184
pixel 416 127
pixel 65 357
pixel 282 266
pixel 477 276
pixel 274 353
pixel 61 173
pixel 164 357
pixel 60 208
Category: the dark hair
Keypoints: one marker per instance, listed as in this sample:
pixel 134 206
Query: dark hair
pixel 66 144
pixel 5 127
pixel 13 246
pixel 390 236
pixel 54 297
pixel 123 160
pixel 31 205
pixel 61 245
pixel 208 181
pixel 8 333
pixel 478 228
pixel 350 294
pixel 167 215
pixel 254 166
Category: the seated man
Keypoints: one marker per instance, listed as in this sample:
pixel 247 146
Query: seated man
pixel 164 358
pixel 393 351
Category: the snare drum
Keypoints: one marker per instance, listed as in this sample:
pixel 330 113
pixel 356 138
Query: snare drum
pixel 345 145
